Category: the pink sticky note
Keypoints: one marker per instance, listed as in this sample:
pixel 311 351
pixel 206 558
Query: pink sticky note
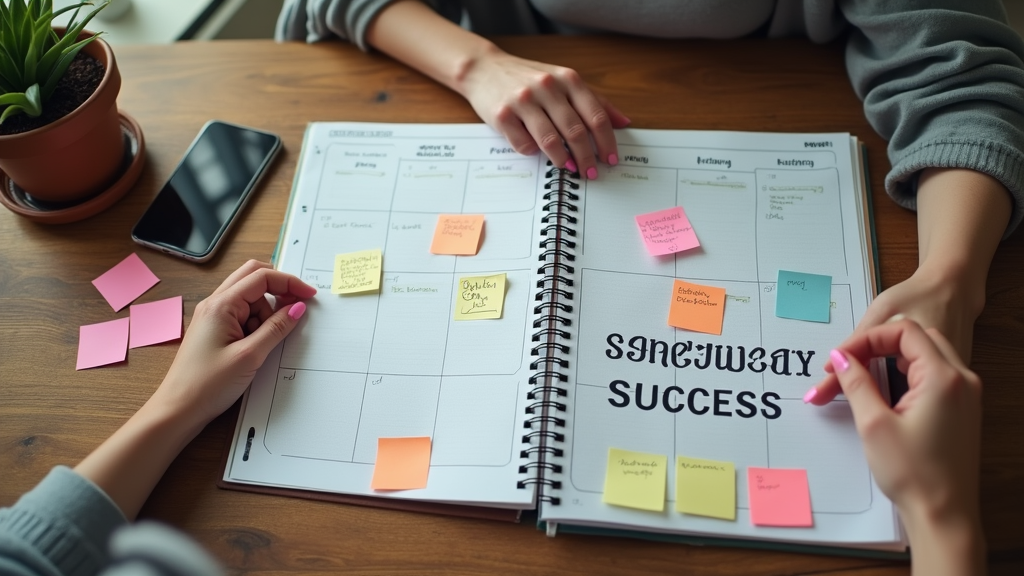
pixel 102 344
pixel 125 282
pixel 779 497
pixel 667 231
pixel 155 322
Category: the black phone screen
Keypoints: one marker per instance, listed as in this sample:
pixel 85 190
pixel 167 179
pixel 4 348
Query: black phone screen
pixel 192 210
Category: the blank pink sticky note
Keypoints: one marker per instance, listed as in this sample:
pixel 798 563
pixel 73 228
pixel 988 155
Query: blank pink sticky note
pixel 155 322
pixel 667 231
pixel 125 282
pixel 779 497
pixel 102 344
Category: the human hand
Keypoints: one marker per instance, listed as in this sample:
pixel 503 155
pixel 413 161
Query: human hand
pixel 231 333
pixel 539 106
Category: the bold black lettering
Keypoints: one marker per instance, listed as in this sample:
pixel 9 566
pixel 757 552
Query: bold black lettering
pixel 690 403
pixel 755 356
pixel 614 352
pixel 742 398
pixel 804 362
pixel 615 388
pixel 640 396
pixel 720 402
pixel 665 401
pixel 766 399
pixel 783 355
pixel 643 349
pixel 679 349
pixel 728 358
pixel 707 356
pixel 664 351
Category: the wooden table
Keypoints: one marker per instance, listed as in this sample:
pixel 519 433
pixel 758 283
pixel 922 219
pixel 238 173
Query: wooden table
pixel 50 414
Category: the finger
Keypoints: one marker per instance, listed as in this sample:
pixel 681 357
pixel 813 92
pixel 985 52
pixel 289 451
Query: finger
pixel 265 281
pixel 594 115
pixel 618 119
pixel 242 271
pixel 861 391
pixel 577 137
pixel 261 309
pixel 544 133
pixel 870 321
pixel 270 333
pixel 251 325
pixel 512 128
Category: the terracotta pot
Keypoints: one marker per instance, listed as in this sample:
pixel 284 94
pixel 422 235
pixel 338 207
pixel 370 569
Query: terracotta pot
pixel 78 155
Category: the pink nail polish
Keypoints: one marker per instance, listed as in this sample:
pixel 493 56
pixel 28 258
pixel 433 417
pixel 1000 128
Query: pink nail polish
pixel 592 173
pixel 628 121
pixel 839 362
pixel 810 395
pixel 613 159
pixel 571 165
pixel 297 310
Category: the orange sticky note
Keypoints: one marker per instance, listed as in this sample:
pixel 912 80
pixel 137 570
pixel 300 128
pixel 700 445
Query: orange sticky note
pixel 402 463
pixel 779 497
pixel 696 307
pixel 457 234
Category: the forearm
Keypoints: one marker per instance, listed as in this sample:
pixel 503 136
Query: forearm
pixel 946 544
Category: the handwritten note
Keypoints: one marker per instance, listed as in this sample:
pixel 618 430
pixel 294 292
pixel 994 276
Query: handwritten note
pixel 357 272
pixel 667 231
pixel 706 487
pixel 696 307
pixel 803 296
pixel 635 480
pixel 457 234
pixel 480 297
pixel 402 464
pixel 155 322
pixel 125 282
pixel 102 344
pixel 779 497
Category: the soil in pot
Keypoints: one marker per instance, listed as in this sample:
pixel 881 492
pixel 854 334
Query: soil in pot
pixel 74 88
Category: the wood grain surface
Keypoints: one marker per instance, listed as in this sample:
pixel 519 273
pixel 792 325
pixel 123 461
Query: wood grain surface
pixel 50 414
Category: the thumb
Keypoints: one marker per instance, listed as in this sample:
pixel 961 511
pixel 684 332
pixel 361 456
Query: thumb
pixel 860 388
pixel 275 329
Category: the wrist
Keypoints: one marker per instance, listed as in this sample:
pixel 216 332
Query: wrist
pixel 945 540
pixel 956 281
pixel 477 53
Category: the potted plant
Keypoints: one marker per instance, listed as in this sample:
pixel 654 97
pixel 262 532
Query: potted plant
pixel 60 132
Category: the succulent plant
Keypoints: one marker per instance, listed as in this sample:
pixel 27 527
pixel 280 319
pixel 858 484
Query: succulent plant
pixel 32 57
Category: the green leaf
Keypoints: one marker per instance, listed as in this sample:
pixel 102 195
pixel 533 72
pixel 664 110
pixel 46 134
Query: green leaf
pixel 27 102
pixel 62 66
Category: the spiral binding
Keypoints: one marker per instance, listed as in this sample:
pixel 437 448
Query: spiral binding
pixel 542 426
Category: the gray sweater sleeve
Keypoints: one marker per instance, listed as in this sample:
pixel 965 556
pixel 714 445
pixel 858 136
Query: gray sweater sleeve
pixel 943 81
pixel 317 20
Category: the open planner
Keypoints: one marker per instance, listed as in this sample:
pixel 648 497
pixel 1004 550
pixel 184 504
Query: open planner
pixel 522 410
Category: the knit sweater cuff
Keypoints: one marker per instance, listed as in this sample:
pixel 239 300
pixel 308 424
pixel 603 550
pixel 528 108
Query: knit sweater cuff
pixel 67 519
pixel 995 159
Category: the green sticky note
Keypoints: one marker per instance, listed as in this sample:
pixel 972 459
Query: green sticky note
pixel 706 487
pixel 803 296
pixel 635 480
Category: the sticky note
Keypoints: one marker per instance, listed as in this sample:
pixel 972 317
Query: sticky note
pixel 803 296
pixel 125 282
pixel 667 231
pixel 706 487
pixel 480 297
pixel 779 497
pixel 102 344
pixel 357 272
pixel 696 307
pixel 155 322
pixel 402 463
pixel 457 234
pixel 635 480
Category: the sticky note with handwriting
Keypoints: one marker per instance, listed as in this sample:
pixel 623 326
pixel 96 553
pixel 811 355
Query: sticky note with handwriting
pixel 357 272
pixel 706 487
pixel 125 282
pixel 155 322
pixel 635 480
pixel 697 307
pixel 457 234
pixel 402 463
pixel 102 344
pixel 667 231
pixel 779 497
pixel 802 296
pixel 480 297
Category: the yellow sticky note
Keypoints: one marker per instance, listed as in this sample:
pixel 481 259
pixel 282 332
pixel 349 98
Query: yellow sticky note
pixel 480 297
pixel 697 307
pixel 457 234
pixel 706 487
pixel 357 272
pixel 635 480
pixel 402 463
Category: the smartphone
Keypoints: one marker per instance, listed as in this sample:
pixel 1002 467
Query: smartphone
pixel 198 205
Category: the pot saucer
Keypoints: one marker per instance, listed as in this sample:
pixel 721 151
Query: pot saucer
pixel 22 203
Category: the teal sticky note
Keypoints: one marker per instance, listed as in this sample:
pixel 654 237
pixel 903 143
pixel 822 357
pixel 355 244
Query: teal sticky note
pixel 803 296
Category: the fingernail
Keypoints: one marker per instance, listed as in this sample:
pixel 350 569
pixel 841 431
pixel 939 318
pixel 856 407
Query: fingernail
pixel 613 159
pixel 297 310
pixel 628 121
pixel 810 395
pixel 896 318
pixel 571 165
pixel 839 362
pixel 592 173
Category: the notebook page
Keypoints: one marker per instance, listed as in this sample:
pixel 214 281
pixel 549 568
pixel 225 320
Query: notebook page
pixel 758 203
pixel 395 363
